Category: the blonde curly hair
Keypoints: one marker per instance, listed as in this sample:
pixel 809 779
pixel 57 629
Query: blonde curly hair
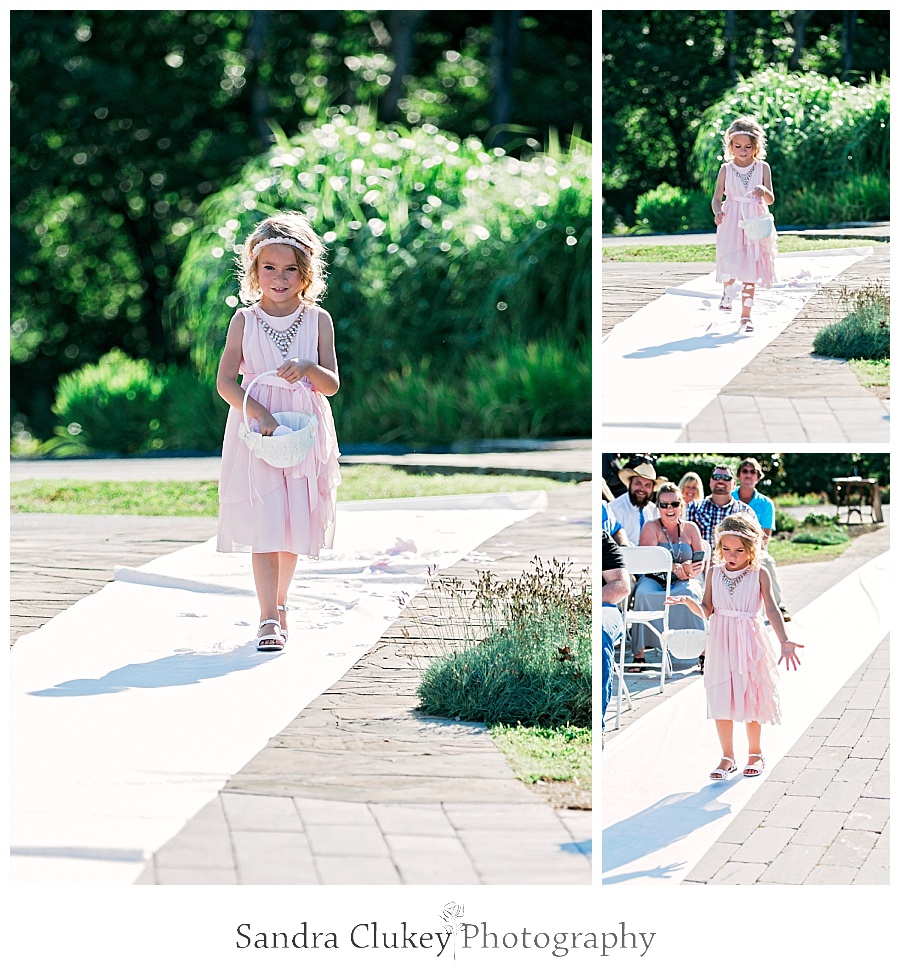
pixel 309 252
pixel 748 531
pixel 745 126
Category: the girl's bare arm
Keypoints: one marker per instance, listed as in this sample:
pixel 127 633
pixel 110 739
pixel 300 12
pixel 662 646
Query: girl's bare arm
pixel 773 614
pixel 788 647
pixel 708 608
pixel 226 379
pixel 719 192
pixel 704 609
pixel 324 374
pixel 764 189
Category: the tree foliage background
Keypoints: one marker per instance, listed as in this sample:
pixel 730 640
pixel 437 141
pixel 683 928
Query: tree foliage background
pixel 662 69
pixel 123 123
pixel 782 473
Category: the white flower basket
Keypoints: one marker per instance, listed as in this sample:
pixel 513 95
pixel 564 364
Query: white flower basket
pixel 686 645
pixel 280 450
pixel 758 228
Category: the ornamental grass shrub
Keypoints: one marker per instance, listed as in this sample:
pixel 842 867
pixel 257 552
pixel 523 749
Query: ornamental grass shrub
pixel 513 651
pixel 440 252
pixel 112 406
pixel 828 143
pixel 830 536
pixel 671 210
pixel 864 332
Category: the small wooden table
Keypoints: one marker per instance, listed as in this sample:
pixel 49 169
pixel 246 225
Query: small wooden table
pixel 846 490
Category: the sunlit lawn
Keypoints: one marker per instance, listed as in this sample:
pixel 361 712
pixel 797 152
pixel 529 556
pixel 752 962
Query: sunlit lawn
pixel 687 251
pixel 200 499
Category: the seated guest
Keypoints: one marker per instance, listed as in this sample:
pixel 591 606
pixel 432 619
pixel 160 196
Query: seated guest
pixel 682 539
pixel 610 524
pixel 615 589
pixel 709 512
pixel 749 473
pixel 691 486
pixel 636 507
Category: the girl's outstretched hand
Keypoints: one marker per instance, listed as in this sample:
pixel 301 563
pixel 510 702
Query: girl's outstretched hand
pixel 789 655
pixel 677 599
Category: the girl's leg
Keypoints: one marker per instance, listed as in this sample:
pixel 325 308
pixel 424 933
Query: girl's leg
pixel 266 577
pixel 754 736
pixel 725 300
pixel 287 563
pixel 747 294
pixel 725 731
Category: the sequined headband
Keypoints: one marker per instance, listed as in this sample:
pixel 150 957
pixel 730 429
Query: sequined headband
pixel 276 240
pixel 741 534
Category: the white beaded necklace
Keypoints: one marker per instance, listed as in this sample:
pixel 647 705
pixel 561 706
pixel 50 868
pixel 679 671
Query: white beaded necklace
pixel 283 340
pixel 731 582
pixel 745 180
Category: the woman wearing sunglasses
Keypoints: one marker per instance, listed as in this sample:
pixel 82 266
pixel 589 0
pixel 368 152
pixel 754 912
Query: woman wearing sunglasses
pixel 683 541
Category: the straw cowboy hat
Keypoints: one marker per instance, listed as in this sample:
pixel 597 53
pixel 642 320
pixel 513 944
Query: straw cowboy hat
pixel 644 469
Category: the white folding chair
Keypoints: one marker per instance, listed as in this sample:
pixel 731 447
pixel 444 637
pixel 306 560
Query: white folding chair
pixel 687 645
pixel 618 663
pixel 650 559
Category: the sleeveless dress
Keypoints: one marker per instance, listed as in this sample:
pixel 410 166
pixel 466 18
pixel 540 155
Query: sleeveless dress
pixel 266 509
pixel 741 668
pixel 649 595
pixel 736 256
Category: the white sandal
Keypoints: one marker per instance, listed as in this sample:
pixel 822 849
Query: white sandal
pixel 270 642
pixel 747 325
pixel 725 303
pixel 718 774
pixel 754 768
pixel 283 609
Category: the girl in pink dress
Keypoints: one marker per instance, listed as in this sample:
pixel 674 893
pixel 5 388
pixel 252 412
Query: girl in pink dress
pixel 278 513
pixel 745 179
pixel 741 669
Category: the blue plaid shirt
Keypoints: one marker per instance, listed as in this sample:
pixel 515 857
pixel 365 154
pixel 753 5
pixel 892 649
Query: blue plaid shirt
pixel 707 515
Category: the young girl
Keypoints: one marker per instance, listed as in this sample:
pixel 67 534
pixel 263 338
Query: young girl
pixel 741 670
pixel 278 513
pixel 746 181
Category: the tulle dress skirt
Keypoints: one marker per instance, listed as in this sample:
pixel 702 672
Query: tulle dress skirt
pixel 741 671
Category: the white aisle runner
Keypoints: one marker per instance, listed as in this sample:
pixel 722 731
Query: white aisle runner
pixel 669 360
pixel 133 707
pixel 661 812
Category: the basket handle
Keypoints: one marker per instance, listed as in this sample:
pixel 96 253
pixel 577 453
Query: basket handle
pixel 247 394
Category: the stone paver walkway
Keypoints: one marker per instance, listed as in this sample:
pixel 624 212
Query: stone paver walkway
pixel 786 394
pixel 789 394
pixel 361 789
pixel 358 789
pixel 822 816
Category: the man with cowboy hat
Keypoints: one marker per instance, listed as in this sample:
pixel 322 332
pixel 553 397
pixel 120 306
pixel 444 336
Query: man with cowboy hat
pixel 636 507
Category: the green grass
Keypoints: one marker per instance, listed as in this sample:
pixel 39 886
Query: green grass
pixel 793 500
pixel 554 755
pixel 787 551
pixel 200 499
pixel 873 373
pixel 787 244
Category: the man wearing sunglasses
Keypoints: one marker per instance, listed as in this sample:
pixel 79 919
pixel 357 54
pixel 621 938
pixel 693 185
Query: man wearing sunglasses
pixel 718 504
pixel 749 473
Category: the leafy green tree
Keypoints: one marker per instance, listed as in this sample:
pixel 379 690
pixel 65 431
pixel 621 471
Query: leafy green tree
pixel 662 69
pixel 124 122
